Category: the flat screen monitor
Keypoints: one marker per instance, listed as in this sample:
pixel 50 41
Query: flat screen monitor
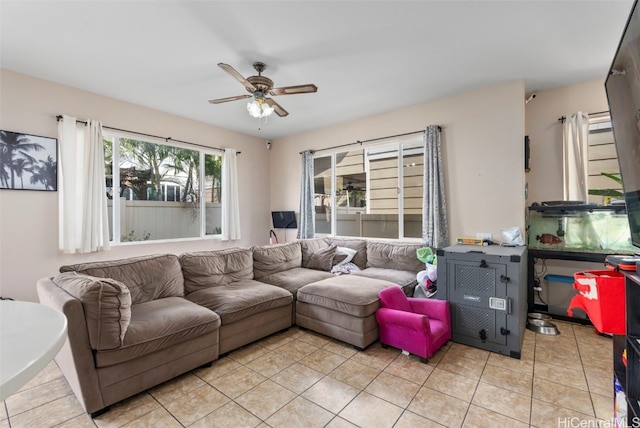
pixel 623 93
pixel 284 220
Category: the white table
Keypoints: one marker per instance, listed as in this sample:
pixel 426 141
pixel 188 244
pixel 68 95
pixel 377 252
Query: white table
pixel 31 335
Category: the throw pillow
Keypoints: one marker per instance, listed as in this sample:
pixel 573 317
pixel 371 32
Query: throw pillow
pixel 322 259
pixel 343 256
pixel 107 307
pixel 360 245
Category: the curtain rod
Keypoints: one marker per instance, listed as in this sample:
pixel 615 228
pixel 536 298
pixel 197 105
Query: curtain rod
pixel 370 140
pixel 563 118
pixel 166 139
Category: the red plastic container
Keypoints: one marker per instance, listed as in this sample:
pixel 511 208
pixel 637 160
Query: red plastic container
pixel 601 296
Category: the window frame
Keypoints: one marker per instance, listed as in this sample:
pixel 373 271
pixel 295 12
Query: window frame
pixel 115 137
pixel 375 152
pixel 599 124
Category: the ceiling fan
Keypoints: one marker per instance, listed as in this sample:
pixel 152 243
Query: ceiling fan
pixel 260 87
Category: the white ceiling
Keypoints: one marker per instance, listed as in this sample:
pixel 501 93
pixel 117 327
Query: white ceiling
pixel 366 57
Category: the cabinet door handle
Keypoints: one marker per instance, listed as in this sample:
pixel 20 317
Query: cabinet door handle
pixel 483 263
pixel 483 334
pixel 509 305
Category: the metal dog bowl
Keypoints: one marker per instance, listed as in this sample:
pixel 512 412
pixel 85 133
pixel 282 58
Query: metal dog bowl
pixel 537 316
pixel 542 326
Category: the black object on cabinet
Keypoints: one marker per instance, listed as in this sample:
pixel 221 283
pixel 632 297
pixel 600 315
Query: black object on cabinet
pixel 487 290
pixel 527 153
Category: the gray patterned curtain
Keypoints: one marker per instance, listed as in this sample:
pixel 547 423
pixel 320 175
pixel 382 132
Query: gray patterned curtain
pixel 435 231
pixel 306 225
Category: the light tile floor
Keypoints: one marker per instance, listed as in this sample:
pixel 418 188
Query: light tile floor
pixel 298 378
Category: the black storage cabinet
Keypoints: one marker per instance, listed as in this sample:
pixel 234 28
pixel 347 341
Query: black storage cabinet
pixel 486 287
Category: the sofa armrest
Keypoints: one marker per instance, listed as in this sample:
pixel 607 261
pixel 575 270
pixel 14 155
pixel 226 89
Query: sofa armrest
pixel 410 320
pixel 75 359
pixel 436 309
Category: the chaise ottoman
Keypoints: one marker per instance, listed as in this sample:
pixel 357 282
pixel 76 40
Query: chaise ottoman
pixel 343 307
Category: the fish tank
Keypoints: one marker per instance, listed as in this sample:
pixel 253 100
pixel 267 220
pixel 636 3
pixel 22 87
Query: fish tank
pixel 584 228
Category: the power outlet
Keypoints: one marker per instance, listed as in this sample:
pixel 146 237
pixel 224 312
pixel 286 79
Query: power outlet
pixel 484 236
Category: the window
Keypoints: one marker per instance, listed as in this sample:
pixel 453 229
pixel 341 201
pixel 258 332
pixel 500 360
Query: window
pixel 161 191
pixel 604 182
pixel 376 191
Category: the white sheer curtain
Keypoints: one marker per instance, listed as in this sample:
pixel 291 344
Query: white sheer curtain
pixel 82 197
pixel 230 201
pixel 307 223
pixel 575 156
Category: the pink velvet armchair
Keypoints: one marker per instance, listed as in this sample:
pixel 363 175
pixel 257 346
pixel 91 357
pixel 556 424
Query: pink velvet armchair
pixel 418 326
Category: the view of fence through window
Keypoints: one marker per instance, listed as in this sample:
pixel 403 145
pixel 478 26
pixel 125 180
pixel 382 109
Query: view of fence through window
pixel 604 180
pixel 376 191
pixel 161 191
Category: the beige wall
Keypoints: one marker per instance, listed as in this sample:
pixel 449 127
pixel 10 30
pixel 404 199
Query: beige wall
pixel 29 219
pixel 545 178
pixel 545 132
pixel 483 158
pixel 483 155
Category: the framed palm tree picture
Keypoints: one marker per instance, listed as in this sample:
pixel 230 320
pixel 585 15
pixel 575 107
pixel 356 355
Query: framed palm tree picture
pixel 28 162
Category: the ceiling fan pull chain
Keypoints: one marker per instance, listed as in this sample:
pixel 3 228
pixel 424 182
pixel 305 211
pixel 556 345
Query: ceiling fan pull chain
pixel 266 122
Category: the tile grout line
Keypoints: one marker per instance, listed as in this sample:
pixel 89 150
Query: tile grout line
pixel 533 376
pixel 6 411
pixel 294 392
pixel 593 407
pixel 475 391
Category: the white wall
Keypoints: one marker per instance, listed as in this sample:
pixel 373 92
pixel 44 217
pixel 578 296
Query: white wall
pixel 29 219
pixel 483 155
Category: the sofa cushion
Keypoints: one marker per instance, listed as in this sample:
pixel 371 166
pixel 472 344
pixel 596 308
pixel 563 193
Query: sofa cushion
pixel 146 277
pixel 405 279
pixel 106 304
pixel 394 255
pixel 241 299
pixel 350 294
pixel 272 259
pixel 323 259
pixel 160 324
pixel 310 246
pixel 292 279
pixel 216 268
pixel 360 245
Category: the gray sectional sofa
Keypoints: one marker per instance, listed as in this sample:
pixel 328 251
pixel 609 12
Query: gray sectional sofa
pixel 138 322
pixel 342 306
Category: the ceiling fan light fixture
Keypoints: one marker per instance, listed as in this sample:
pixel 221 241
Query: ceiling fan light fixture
pixel 261 87
pixel 258 108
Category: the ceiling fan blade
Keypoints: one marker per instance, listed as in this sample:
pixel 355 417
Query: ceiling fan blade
pixel 232 71
pixel 296 89
pixel 225 100
pixel 277 107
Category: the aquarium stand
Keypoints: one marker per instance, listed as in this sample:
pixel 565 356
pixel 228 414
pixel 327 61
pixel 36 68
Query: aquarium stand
pixel 532 255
